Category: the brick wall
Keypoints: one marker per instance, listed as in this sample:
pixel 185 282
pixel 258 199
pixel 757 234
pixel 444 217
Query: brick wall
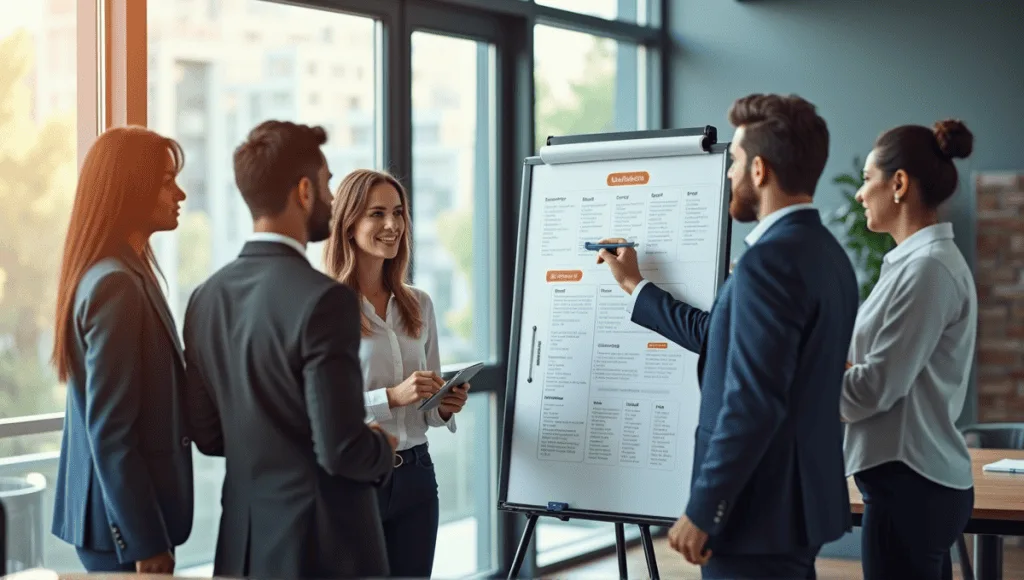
pixel 999 275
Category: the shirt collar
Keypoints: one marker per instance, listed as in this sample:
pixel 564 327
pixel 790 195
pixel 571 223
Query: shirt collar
pixel 918 240
pixel 769 220
pixel 280 239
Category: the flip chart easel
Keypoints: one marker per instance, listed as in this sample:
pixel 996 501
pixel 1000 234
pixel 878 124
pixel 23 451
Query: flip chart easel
pixel 630 461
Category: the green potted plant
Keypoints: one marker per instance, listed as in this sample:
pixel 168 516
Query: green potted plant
pixel 867 247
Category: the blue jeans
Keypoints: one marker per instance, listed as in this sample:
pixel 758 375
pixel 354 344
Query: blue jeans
pixel 94 561
pixel 409 512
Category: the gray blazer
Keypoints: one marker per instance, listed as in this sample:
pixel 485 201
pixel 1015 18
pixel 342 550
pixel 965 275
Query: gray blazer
pixel 124 477
pixel 272 351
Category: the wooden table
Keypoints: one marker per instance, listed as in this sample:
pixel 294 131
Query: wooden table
pixel 998 509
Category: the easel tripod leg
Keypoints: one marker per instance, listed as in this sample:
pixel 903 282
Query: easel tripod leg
pixel 620 550
pixel 648 544
pixel 524 544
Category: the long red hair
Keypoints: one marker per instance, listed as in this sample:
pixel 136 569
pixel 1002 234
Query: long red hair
pixel 117 190
pixel 340 254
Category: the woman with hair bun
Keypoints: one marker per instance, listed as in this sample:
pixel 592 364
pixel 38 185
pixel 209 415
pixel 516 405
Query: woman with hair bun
pixel 910 360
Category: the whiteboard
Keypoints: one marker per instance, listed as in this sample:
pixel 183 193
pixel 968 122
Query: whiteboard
pixel 601 413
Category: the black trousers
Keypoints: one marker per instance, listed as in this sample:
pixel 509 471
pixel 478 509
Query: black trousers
pixel 910 523
pixel 409 512
pixel 798 565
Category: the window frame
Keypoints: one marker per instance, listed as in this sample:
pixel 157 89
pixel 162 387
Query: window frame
pixel 112 61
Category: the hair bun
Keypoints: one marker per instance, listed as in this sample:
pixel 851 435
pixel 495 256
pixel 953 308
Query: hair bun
pixel 954 138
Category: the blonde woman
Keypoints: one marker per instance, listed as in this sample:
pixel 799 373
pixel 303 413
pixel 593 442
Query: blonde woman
pixel 369 250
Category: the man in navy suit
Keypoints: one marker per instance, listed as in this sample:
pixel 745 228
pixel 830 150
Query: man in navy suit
pixel 768 486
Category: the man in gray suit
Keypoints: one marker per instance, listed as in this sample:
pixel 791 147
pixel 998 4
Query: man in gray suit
pixel 274 384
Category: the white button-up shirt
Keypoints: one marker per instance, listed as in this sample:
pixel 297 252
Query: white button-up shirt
pixel 388 356
pixel 912 350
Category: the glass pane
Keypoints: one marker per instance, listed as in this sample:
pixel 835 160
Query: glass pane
pixel 453 261
pixel 316 67
pixel 452 194
pixel 638 11
pixel 464 479
pixel 39 161
pixel 214 74
pixel 587 84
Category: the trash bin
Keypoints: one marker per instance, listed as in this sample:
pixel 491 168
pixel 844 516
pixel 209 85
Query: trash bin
pixel 22 499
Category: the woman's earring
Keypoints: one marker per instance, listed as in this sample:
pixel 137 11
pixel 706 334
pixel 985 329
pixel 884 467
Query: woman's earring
pixel 896 198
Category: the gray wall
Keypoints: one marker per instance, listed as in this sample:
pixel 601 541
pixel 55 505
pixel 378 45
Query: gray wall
pixel 868 65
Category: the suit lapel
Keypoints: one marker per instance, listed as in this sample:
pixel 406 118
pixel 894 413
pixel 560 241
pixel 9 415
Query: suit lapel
pixel 158 301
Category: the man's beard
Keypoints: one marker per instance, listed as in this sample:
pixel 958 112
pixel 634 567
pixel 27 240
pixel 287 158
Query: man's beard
pixel 318 225
pixel 744 204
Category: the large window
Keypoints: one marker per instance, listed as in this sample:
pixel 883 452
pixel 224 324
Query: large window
pixel 38 164
pixel 448 95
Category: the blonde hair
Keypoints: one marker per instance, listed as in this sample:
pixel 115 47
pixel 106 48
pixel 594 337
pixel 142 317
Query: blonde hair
pixel 340 255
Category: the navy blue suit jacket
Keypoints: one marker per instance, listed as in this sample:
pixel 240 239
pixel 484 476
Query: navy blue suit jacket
pixel 124 478
pixel 768 474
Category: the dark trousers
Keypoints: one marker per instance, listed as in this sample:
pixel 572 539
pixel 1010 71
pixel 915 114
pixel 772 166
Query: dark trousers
pixel 94 561
pixel 409 512
pixel 798 565
pixel 910 523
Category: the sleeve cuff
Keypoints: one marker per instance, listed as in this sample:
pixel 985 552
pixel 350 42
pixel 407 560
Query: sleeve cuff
pixel 377 404
pixel 706 513
pixel 137 550
pixel 631 303
pixel 434 420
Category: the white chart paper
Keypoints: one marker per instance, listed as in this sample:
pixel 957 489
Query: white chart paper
pixel 605 410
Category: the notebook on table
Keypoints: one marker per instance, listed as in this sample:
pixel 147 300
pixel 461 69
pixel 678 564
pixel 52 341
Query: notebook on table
pixel 1006 466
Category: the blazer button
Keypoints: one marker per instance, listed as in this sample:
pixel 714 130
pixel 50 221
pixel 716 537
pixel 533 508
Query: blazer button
pixel 185 441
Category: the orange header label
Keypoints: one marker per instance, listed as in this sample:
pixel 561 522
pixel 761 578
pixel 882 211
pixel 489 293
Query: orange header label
pixel 629 178
pixel 565 275
pixel 657 345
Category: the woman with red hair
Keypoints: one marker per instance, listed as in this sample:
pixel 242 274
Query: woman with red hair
pixel 124 491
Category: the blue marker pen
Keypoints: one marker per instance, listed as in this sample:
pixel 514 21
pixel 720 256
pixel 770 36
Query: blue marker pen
pixel 597 247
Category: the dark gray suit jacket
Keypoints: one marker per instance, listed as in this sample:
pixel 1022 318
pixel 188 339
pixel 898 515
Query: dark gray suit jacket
pixel 274 385
pixel 124 478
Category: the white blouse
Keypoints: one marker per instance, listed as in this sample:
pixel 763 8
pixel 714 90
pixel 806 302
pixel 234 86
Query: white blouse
pixel 388 356
pixel 912 349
